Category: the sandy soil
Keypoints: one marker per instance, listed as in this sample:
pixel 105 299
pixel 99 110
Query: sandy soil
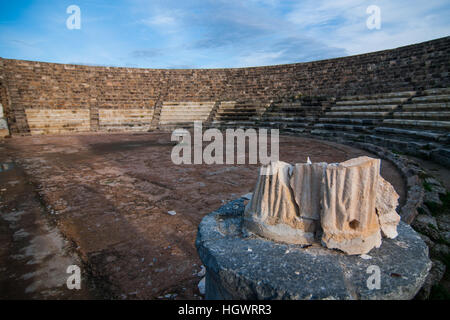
pixel 108 195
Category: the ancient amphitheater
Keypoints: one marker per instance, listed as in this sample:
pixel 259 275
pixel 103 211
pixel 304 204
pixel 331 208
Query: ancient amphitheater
pixel 86 170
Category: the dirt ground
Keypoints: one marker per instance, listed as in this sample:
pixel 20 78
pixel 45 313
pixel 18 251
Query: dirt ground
pixel 101 201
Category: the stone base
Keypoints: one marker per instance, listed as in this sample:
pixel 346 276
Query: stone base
pixel 279 232
pixel 355 245
pixel 241 267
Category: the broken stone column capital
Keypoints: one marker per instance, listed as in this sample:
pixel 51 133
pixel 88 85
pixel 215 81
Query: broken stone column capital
pixel 348 205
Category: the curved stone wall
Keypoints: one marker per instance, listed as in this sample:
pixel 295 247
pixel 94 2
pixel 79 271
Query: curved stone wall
pixel 49 87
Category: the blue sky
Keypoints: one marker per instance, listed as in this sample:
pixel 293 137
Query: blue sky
pixel 212 34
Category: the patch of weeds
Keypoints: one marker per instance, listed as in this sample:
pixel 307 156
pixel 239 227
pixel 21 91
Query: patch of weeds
pixel 445 198
pixel 437 209
pixel 397 152
pixel 427 186
pixel 446 260
pixel 423 175
pixel 432 226
pixel 441 240
pixel 434 208
pixel 421 210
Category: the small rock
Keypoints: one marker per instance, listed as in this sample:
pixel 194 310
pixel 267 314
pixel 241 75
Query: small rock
pixel 365 257
pixel 110 259
pixel 172 213
pixel 202 272
pixel 432 181
pixel 201 286
pixel 248 196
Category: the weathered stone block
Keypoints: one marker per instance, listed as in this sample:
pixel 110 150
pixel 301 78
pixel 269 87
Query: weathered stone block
pixel 273 213
pixel 349 219
pixel 349 205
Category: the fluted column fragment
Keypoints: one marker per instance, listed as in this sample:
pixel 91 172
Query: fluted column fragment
pixel 307 182
pixel 273 213
pixel 349 220
pixel 346 206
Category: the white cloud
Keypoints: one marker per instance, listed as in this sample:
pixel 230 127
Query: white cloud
pixel 342 23
pixel 253 59
pixel 160 20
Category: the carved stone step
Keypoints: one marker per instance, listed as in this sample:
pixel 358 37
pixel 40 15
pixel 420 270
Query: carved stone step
pixel 417 148
pixel 441 155
pixel 391 101
pixel 296 130
pixel 439 106
pixel 376 114
pixel 185 110
pixel 341 127
pixel 183 113
pixel 402 94
pixel 437 98
pixel 236 111
pixel 334 133
pixel 436 136
pixel 365 122
pixel 422 115
pixel 287 118
pixel 437 91
pixel 381 107
pixel 436 125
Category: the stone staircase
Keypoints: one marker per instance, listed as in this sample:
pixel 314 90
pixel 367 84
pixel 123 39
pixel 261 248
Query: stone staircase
pixel 356 116
pixel 232 114
pixel 420 127
pixel 293 117
pixel 123 120
pixel 183 114
pixel 58 121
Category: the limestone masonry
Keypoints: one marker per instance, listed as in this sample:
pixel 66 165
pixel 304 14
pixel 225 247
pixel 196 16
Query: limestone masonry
pixel 91 96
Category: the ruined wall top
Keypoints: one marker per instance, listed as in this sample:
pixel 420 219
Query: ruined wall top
pixel 43 85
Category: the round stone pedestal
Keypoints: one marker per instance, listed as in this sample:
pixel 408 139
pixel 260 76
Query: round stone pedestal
pixel 240 266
